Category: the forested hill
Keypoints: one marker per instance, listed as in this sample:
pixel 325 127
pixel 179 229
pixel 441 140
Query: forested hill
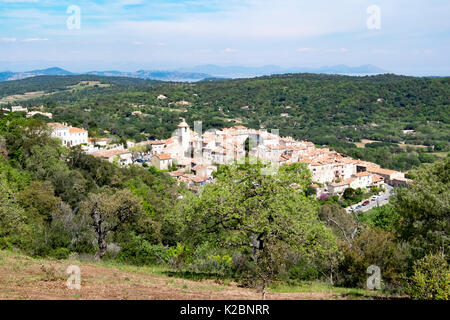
pixel 340 111
pixel 57 83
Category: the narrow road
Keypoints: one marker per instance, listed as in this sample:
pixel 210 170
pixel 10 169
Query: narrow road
pixel 381 200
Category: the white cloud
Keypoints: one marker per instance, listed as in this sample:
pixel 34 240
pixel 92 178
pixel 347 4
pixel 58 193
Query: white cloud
pixel 283 19
pixel 8 39
pixel 382 51
pixel 305 49
pixel 35 39
pixel 340 50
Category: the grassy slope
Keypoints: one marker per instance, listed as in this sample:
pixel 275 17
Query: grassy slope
pixel 22 277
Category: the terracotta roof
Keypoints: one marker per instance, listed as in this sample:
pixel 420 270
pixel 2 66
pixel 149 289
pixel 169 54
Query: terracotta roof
pixel 76 130
pixel 198 179
pixel 377 178
pixel 362 174
pixel 343 183
pixel 176 173
pixel 276 147
pixel 198 167
pixel 381 171
pixel 156 142
pixel 170 141
pixel 163 156
pixel 56 125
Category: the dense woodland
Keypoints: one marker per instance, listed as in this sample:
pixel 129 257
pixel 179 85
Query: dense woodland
pixel 337 111
pixel 256 229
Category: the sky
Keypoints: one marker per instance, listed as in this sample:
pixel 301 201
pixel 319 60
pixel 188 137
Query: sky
pixel 410 37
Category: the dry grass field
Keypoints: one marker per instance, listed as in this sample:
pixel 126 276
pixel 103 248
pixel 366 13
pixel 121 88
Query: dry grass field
pixel 22 277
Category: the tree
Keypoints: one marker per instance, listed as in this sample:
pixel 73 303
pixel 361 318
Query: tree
pixel 431 279
pixel 267 218
pixel 349 193
pixel 383 217
pixel 13 222
pixel 109 210
pixel 39 200
pixel 342 223
pixel 372 247
pixel 423 209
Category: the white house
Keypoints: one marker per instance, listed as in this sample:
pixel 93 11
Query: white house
pixel 322 172
pixel 69 135
pixel 203 170
pixel 158 146
pixel 362 180
pixel 18 109
pixel 162 161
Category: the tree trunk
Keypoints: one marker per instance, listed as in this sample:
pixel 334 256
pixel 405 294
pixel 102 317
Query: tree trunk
pixel 102 246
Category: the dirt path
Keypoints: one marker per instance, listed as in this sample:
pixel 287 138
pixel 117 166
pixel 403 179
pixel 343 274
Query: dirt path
pixel 25 278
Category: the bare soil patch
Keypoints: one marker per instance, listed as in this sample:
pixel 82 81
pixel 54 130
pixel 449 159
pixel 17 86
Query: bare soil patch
pixel 22 277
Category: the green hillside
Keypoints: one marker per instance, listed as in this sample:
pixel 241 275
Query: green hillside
pixel 338 111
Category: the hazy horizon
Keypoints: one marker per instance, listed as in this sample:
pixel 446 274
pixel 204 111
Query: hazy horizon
pixel 402 37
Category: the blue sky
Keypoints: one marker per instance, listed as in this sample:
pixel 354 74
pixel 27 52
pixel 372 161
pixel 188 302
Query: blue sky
pixel 413 39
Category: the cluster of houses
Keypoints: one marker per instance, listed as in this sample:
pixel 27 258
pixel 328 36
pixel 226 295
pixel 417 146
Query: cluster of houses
pixel 195 155
pixel 29 113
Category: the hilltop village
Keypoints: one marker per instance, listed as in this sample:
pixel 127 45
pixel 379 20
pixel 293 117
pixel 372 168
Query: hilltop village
pixel 192 157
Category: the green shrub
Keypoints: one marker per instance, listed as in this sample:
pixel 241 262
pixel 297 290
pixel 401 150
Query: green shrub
pixel 373 247
pixel 303 271
pixel 431 279
pixel 383 217
pixel 60 253
pixel 210 259
pixel 138 251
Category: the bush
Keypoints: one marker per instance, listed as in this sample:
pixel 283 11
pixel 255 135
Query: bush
pixel 373 247
pixel 211 259
pixel 431 279
pixel 303 271
pixel 60 253
pixel 140 252
pixel 349 193
pixel 383 217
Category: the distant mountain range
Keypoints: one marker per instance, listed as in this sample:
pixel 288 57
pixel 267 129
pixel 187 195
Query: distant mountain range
pixel 155 75
pixel 8 75
pixel 201 72
pixel 245 72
